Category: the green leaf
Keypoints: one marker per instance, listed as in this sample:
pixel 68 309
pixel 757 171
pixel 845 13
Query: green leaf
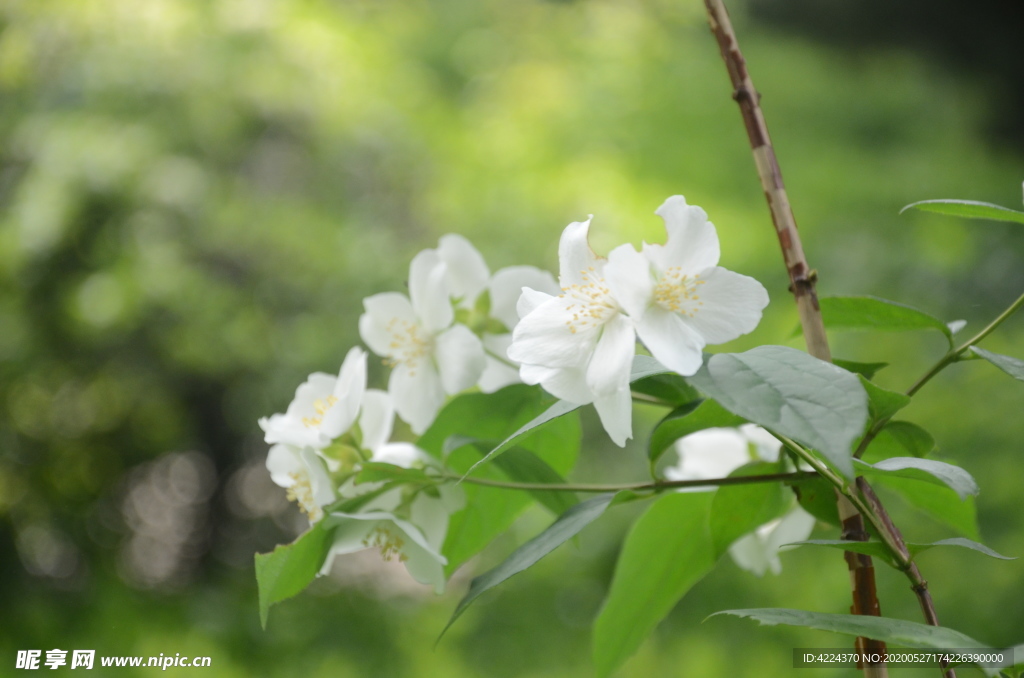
pixel 739 509
pixel 524 466
pixel 1012 366
pixel 929 470
pixel 910 437
pixel 872 313
pixel 896 631
pixel 961 542
pixel 643 367
pixel 817 496
pixel 689 418
pixel 490 511
pixel 667 551
pixel 669 388
pixel 567 526
pixel 877 549
pixel 970 209
pixel 937 501
pixel 883 403
pixel 790 392
pixel 866 370
pixel 289 568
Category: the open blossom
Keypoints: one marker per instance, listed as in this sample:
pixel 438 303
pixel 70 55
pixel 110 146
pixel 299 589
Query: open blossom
pixel 678 296
pixel 324 407
pixel 301 472
pixel 431 356
pixel 468 276
pixel 412 529
pixel 717 452
pixel 579 345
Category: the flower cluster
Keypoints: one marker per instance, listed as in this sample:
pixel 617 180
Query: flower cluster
pixel 579 344
pixel 717 452
pixel 462 328
pixel 449 335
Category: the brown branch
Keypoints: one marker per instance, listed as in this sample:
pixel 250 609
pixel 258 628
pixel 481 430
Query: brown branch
pixel 802 284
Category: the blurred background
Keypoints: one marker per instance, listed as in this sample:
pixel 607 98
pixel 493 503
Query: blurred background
pixel 195 196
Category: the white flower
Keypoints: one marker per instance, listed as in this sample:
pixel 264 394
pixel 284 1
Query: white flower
pixel 324 407
pixel 430 356
pixel 412 530
pixel 758 551
pixel 302 473
pixel 680 299
pixel 505 287
pixel 579 345
pixel 717 452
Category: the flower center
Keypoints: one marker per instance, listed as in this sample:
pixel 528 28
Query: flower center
pixel 677 292
pixel 389 544
pixel 320 406
pixel 409 344
pixel 301 492
pixel 591 303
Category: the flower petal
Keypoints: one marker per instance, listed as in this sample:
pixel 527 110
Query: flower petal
pixel 416 394
pixel 616 413
pixel 284 465
pixel 348 391
pixel 574 254
pixel 732 305
pixel 529 301
pixel 460 358
pixel 405 455
pixel 497 374
pixel 428 291
pixel 506 286
pixel 567 383
pixel 670 340
pixel 692 243
pixel 319 482
pixel 610 366
pixel 711 453
pixel 376 419
pixel 544 337
pixel 796 525
pixel 467 272
pixel 381 311
pixel 630 279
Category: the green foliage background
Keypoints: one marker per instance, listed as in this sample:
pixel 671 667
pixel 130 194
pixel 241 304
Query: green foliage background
pixel 195 196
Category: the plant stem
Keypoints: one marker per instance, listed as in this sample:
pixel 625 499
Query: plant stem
pixel 656 486
pixel 863 498
pixel 951 356
pixel 802 284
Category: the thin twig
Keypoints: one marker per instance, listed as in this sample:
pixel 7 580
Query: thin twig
pixel 656 486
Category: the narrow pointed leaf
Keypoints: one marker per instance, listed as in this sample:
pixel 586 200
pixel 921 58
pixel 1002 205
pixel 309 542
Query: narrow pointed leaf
pixel 872 313
pixel 670 388
pixel 929 470
pixel 793 393
pixel 524 466
pixel 866 370
pixel 643 367
pixel 289 568
pixel 910 437
pixel 883 403
pixel 666 552
pixel 875 549
pixel 970 209
pixel 687 419
pixel 568 525
pixel 1012 366
pixel 959 541
pixel 374 472
pixel 896 631
pixel 936 501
